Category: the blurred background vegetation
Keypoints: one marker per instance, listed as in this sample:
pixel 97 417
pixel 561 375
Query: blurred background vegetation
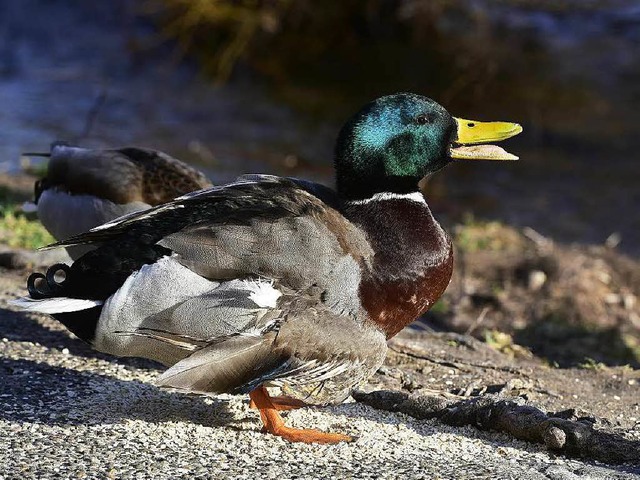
pixel 468 54
pixel 568 70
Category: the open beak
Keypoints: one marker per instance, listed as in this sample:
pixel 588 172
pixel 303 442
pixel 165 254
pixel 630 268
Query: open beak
pixel 473 136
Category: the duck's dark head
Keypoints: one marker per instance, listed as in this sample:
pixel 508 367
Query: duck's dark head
pixel 396 140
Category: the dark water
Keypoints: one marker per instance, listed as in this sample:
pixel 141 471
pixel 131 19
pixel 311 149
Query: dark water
pixel 68 71
pixel 59 61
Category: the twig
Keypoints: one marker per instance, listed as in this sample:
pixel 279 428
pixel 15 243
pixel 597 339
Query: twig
pixel 459 364
pixel 514 417
pixel 477 321
pixel 542 242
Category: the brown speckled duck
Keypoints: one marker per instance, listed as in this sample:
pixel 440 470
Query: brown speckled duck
pixel 276 282
pixel 85 188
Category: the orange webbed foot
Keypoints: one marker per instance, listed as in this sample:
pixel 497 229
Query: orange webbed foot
pixel 309 435
pixel 274 424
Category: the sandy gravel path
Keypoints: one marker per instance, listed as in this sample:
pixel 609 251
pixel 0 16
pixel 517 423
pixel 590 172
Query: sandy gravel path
pixel 66 412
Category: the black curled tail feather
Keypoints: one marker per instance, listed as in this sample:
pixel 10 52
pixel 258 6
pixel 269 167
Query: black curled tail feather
pixel 96 275
pixel 45 285
pixel 36 292
pixel 82 323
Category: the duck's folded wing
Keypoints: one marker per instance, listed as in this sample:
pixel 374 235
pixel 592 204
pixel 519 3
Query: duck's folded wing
pixel 269 228
pixel 237 365
pixel 164 177
pixel 310 347
pixel 326 194
pixel 235 203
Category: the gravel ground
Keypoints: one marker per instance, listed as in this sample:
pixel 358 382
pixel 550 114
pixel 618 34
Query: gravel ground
pixel 66 412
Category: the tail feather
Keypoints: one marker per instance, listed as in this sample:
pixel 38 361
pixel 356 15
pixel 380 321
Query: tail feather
pixel 42 286
pixel 47 293
pixel 55 305
pixel 50 293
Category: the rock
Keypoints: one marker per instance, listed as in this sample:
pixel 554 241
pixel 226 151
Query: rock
pixel 537 279
pixel 17 259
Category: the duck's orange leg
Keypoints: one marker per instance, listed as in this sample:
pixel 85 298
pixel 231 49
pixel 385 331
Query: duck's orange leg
pixel 282 403
pixel 274 424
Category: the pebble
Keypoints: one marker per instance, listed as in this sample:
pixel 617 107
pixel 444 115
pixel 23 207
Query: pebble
pixel 537 279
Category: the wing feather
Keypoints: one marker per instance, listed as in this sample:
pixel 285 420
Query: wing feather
pixel 268 227
pixel 308 351
pixel 234 203
pixel 234 365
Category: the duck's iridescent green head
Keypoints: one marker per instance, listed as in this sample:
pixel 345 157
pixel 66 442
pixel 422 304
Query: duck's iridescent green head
pixel 396 140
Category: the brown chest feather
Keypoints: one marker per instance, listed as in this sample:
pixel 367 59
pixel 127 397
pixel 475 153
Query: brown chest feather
pixel 394 304
pixel 412 264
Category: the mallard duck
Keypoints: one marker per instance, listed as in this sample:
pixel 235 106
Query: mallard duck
pixel 85 188
pixel 277 282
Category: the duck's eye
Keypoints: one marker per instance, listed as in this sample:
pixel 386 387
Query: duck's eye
pixel 424 118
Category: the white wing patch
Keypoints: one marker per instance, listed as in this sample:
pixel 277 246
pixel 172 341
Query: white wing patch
pixel 263 293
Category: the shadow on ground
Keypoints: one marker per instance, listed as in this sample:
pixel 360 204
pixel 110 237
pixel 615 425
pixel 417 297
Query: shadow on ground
pixel 25 327
pixel 39 393
pixel 567 345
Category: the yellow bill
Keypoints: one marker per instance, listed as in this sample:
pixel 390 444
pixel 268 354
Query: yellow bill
pixel 472 135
